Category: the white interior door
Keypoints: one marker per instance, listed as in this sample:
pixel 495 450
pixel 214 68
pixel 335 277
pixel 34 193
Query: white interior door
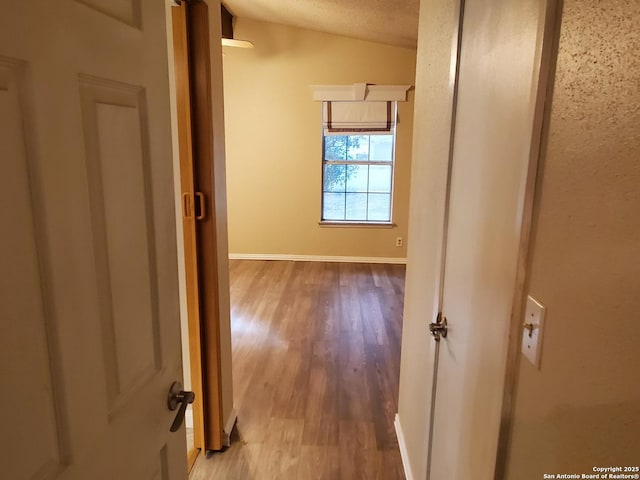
pixel 89 332
pixel 498 79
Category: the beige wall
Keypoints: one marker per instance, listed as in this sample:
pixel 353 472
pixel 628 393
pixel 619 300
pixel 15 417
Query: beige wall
pixel 582 408
pixel 273 137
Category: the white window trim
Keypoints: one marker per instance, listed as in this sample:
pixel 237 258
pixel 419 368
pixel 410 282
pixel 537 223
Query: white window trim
pixel 363 223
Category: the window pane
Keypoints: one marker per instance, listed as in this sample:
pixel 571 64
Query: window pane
pixel 358 147
pixel 333 206
pixel 334 178
pixel 335 147
pixel 380 178
pixel 356 206
pixel 379 208
pixel 357 192
pixel 357 178
pixel 381 148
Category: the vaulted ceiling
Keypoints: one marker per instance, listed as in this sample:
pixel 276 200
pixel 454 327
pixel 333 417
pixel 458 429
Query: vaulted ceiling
pixel 394 22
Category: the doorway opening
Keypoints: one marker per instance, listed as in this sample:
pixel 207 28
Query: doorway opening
pixel 307 269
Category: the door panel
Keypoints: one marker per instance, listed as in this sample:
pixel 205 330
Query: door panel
pixel 183 71
pixel 117 165
pixel 33 404
pixel 90 320
pixel 497 85
pixel 192 38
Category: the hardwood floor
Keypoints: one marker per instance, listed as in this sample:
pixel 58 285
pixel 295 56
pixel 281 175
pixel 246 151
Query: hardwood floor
pixel 316 359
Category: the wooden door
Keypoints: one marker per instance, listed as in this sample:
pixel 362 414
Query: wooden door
pixel 187 194
pixel 191 43
pixel 492 171
pixel 90 338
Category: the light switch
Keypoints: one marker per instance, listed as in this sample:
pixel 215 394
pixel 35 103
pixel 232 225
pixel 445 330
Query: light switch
pixel 532 332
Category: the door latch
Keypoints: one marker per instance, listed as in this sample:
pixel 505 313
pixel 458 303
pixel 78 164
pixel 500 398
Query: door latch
pixel 438 329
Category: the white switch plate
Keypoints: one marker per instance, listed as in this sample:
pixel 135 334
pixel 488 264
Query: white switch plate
pixel 532 338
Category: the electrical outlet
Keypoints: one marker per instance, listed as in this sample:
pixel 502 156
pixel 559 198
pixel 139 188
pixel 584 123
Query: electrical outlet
pixel 399 241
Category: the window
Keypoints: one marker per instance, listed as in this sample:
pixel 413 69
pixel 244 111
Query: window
pixel 357 180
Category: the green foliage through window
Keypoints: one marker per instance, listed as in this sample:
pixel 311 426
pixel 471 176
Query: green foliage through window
pixel 357 178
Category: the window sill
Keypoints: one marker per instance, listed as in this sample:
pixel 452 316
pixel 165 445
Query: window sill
pixel 348 224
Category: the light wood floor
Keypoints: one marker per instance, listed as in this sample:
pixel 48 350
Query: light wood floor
pixel 316 357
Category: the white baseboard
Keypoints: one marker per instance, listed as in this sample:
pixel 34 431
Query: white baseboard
pixel 316 258
pixel 228 426
pixel 403 449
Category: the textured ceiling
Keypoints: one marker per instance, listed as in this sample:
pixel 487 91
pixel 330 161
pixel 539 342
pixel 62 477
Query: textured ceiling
pixel 394 22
